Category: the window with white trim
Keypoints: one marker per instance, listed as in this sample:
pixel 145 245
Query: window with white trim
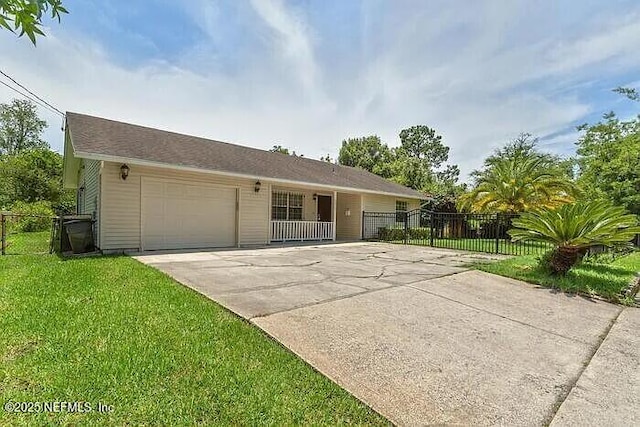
pixel 401 209
pixel 286 206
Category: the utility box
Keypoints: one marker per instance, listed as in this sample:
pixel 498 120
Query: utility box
pixel 80 233
pixel 74 234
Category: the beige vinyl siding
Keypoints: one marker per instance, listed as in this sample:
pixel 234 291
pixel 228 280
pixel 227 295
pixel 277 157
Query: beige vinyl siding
pixel 120 219
pixel 413 205
pixel 348 227
pixel 121 204
pixel 254 213
pixel 90 199
pixel 379 203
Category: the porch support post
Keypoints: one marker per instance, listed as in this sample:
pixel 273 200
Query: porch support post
pixel 361 217
pixel 334 206
pixel 269 202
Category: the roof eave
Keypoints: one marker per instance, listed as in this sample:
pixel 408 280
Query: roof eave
pixel 141 162
pixel 70 164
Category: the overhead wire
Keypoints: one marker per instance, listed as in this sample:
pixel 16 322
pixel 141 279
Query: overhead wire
pixel 34 95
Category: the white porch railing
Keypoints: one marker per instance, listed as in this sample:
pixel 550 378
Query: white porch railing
pixel 282 231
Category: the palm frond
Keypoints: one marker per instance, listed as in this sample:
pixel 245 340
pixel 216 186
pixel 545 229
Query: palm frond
pixel 577 225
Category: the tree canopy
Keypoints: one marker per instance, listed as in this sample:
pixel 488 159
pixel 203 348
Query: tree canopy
pixel 30 172
pixel 20 127
pixel 630 93
pixel 524 147
pixel 517 178
pixel 368 153
pixel 609 161
pixel 424 144
pixel 25 16
pixel 417 163
pixel 284 150
pixel 33 175
pixel 279 149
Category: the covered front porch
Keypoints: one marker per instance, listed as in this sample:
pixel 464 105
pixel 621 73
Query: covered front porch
pixel 301 214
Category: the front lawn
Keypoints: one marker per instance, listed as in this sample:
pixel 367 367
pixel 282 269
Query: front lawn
pixel 112 331
pixel 607 280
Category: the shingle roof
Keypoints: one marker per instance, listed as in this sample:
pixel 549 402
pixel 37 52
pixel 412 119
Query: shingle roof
pixel 97 137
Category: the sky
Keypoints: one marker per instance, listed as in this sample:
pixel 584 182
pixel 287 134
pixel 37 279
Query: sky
pixel 308 74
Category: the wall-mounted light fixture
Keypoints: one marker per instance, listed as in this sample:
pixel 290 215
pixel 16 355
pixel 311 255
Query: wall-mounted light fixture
pixel 257 186
pixel 124 171
pixel 315 196
pixel 347 212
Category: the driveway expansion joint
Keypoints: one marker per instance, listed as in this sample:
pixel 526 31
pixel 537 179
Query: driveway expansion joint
pixel 357 294
pixel 413 356
pixel 574 382
pixel 498 314
pixel 326 301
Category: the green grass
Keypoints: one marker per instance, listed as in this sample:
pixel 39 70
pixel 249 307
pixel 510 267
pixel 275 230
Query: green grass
pixel 489 245
pixel 604 279
pixel 114 331
pixel 28 243
pixel 483 245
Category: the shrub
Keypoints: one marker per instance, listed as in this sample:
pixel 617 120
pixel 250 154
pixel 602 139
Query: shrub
pixel 419 233
pixel 573 229
pixel 37 216
pixel 390 234
pixel 496 227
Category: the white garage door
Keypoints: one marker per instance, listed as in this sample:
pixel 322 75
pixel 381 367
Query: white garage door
pixel 178 215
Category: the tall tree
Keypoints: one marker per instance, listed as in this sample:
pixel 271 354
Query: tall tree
pixel 424 144
pixel 25 16
pixel 368 153
pixel 20 127
pixel 32 176
pixel 524 147
pixel 517 178
pixel 609 159
pixel 419 162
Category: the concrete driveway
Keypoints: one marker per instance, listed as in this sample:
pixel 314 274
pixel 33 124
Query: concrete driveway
pixel 424 340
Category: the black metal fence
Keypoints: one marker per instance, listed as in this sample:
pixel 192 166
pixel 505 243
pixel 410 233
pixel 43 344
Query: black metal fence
pixel 463 231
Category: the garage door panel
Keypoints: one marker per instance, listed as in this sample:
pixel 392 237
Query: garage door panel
pixel 187 215
pixel 152 188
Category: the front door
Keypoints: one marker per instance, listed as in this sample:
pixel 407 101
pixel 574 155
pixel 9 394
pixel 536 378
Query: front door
pixel 324 208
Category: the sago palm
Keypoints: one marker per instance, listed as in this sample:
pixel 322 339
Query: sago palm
pixel 573 228
pixel 518 185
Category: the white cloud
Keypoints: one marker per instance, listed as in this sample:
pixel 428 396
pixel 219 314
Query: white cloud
pixel 456 70
pixel 293 40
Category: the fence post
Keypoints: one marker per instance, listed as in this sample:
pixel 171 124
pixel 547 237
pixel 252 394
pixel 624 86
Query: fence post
pixel 362 227
pixel 431 215
pixel 497 233
pixel 406 228
pixel 3 220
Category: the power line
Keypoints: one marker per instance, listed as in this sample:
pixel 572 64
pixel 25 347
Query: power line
pixel 27 96
pixel 42 101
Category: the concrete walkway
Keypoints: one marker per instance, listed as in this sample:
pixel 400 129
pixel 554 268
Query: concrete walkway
pixel 424 340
